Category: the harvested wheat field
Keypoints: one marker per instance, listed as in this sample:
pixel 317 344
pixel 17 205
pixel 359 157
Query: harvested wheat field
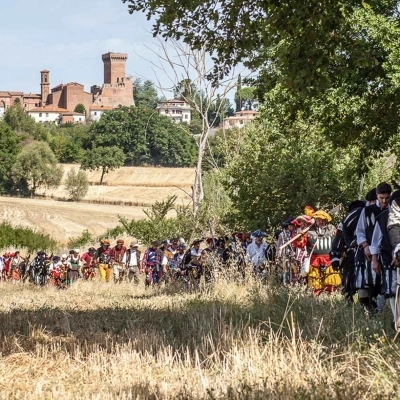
pixel 140 186
pixel 106 341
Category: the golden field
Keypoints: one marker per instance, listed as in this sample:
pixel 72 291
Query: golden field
pixel 106 341
pixel 63 220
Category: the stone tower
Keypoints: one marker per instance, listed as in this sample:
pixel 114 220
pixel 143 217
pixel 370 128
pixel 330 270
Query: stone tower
pixel 44 85
pixel 114 67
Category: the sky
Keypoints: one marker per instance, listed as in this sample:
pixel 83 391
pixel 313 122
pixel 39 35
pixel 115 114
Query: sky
pixel 68 37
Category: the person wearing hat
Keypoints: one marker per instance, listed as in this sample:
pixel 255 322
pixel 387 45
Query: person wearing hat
pixel 118 261
pixel 134 262
pixel 55 271
pixel 37 269
pixel 193 265
pixel 176 265
pixel 256 253
pixel 74 267
pixel 102 259
pixel 366 281
pixel 173 246
pixel 87 259
pixel 64 267
pixel 166 258
pixel 318 242
pixel 152 259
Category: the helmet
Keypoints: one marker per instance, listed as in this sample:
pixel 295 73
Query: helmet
pixel 119 241
pixel 56 258
pixel 91 249
pixel 105 242
pixel 63 256
pixel 41 253
pixel 76 250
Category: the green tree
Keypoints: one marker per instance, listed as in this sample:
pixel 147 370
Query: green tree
pixel 246 97
pixel 76 184
pixel 334 62
pixel 103 158
pixel 219 109
pixel 80 108
pixel 10 147
pixel 36 166
pixel 16 117
pixel 274 175
pixel 145 137
pixel 145 94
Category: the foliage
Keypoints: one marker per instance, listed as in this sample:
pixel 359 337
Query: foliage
pixel 69 141
pixel 145 137
pixel 159 225
pixel 76 184
pixel 9 144
pixel 271 176
pixel 80 108
pixel 25 237
pixel 81 241
pixel 36 166
pixel 222 146
pixel 103 158
pixel 219 109
pixel 333 62
pixel 145 94
pixel 16 117
pixel 246 97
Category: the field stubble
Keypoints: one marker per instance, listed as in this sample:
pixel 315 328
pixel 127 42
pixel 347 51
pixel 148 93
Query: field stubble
pixel 232 341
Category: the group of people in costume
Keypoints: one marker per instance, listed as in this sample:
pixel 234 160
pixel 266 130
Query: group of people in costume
pixel 361 255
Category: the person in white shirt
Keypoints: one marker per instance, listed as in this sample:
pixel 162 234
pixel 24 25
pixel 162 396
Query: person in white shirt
pixel 256 252
pixel 134 262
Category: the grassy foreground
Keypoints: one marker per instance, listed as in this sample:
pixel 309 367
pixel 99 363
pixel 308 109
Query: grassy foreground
pixel 103 341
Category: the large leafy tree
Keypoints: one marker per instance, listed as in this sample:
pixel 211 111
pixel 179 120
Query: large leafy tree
pixel 145 137
pixel 35 167
pixel 103 158
pixel 9 144
pixel 273 175
pixel 333 61
pixel 145 93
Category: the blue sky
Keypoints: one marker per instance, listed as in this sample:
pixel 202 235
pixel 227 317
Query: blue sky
pixel 68 38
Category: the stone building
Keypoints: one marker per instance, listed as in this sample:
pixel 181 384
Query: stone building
pixel 59 102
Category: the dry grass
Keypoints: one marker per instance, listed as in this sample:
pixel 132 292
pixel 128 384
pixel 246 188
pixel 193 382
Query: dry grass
pixel 97 341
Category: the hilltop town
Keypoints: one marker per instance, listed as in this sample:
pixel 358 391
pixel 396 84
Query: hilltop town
pixel 59 104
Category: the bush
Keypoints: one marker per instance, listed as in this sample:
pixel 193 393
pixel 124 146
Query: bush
pixel 81 241
pixel 77 184
pixel 25 237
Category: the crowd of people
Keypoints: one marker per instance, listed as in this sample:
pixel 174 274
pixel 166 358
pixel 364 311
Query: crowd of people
pixel 361 256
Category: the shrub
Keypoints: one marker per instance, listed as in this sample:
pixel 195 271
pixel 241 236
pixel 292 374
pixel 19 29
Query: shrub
pixel 77 184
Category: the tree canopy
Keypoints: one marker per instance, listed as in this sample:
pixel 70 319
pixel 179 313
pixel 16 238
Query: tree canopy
pixel 145 137
pixel 36 166
pixel 103 158
pixel 334 62
pixel 145 93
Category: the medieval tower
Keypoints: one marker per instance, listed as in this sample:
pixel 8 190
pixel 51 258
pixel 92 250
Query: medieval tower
pixel 117 88
pixel 44 86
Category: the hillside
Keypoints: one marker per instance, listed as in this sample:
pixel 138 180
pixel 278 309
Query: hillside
pixel 63 220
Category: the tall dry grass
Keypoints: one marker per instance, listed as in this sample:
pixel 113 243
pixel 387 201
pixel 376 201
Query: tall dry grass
pixel 232 341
